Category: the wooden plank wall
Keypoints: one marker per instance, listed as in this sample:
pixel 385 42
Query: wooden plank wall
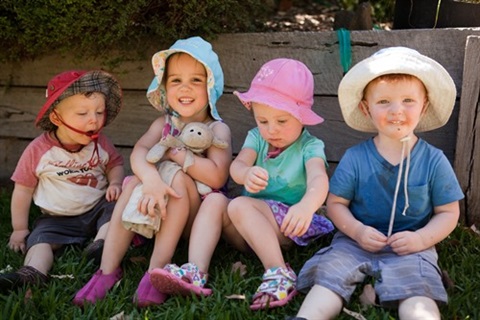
pixel 22 85
pixel 468 136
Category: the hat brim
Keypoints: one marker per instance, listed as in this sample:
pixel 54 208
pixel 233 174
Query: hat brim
pixel 439 84
pixel 275 99
pixel 156 92
pixel 101 82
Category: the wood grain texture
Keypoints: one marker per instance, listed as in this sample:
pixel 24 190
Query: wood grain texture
pixel 467 158
pixel 22 92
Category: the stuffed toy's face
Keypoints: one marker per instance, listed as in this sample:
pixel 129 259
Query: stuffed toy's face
pixel 197 136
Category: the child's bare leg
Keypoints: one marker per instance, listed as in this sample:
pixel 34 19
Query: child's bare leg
pixel 211 219
pixel 179 212
pixel 40 257
pixel 418 308
pixel 255 222
pixel 320 303
pixel 118 238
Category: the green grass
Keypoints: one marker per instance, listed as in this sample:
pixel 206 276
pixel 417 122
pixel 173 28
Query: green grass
pixel 459 256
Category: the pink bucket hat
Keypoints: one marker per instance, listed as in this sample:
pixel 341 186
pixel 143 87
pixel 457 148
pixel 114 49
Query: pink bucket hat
pixel 72 82
pixel 283 84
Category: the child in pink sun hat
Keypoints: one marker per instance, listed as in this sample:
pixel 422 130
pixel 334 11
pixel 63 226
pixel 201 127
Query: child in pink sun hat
pixel 283 170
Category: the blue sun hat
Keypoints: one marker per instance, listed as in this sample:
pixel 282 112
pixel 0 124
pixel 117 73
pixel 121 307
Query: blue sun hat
pixel 202 51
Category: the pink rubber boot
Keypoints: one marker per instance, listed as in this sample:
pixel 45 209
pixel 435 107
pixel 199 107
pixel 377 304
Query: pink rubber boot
pixel 97 288
pixel 147 295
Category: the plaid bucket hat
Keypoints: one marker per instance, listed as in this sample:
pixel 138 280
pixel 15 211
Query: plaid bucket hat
pixel 69 83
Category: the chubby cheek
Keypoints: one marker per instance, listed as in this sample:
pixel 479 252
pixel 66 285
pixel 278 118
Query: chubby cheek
pixel 263 131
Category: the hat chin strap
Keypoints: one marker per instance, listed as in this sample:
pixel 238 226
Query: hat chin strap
pixel 405 148
pixel 95 158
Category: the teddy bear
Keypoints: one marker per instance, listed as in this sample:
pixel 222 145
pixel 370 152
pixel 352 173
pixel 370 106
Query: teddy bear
pixel 195 137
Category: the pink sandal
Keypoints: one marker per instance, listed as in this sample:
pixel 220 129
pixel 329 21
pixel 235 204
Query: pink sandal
pixel 183 280
pixel 279 285
pixel 147 295
pixel 98 286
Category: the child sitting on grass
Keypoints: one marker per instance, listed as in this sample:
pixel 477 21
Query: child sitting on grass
pixel 392 197
pixel 283 170
pixel 71 171
pixel 188 81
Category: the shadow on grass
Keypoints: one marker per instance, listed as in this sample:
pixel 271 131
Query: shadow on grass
pixel 459 257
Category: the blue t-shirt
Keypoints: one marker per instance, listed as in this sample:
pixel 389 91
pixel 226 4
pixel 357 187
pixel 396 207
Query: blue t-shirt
pixel 287 181
pixel 365 178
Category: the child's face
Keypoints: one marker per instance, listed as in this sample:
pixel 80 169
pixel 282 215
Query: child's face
pixel 395 106
pixel 186 85
pixel 84 113
pixel 279 128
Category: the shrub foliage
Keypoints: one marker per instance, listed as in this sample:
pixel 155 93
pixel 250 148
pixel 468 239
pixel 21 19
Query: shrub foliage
pixel 30 29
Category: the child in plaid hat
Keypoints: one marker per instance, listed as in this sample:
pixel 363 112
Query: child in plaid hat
pixel 72 172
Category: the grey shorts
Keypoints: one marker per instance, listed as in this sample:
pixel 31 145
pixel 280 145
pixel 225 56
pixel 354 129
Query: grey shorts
pixel 344 264
pixel 70 229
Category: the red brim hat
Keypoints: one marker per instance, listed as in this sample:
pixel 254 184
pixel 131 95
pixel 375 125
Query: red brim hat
pixel 72 82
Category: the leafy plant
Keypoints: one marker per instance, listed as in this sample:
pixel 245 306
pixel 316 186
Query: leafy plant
pixel 32 28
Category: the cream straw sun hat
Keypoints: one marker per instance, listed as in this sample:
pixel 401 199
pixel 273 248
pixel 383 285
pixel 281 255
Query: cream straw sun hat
pixel 440 86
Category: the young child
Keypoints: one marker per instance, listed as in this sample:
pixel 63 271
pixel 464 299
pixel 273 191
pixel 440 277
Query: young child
pixel 283 170
pixel 71 171
pixel 188 81
pixel 392 197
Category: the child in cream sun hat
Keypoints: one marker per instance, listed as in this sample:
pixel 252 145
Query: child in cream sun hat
pixel 398 60
pixel 389 213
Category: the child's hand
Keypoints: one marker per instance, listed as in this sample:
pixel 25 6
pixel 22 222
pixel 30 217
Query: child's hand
pixel 370 239
pixel 113 192
pixel 17 240
pixel 256 179
pixel 155 199
pixel 406 242
pixel 296 222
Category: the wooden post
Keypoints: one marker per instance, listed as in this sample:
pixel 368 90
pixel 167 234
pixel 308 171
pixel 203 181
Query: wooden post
pixel 467 154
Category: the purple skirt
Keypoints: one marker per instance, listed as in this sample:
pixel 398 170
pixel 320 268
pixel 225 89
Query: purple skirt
pixel 320 225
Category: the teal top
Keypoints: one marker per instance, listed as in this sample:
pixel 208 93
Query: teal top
pixel 287 180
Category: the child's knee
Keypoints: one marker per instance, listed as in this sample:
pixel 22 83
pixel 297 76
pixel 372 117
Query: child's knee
pixel 182 181
pixel 418 307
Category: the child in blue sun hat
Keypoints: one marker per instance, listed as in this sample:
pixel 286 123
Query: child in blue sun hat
pixel 187 84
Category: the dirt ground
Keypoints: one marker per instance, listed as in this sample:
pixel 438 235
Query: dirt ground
pixel 306 16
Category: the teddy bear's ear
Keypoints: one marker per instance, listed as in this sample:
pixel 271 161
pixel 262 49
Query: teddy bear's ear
pixel 156 153
pixel 219 143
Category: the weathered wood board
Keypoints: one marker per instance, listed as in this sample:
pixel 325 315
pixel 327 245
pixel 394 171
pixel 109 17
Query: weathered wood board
pixel 22 87
pixel 467 161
